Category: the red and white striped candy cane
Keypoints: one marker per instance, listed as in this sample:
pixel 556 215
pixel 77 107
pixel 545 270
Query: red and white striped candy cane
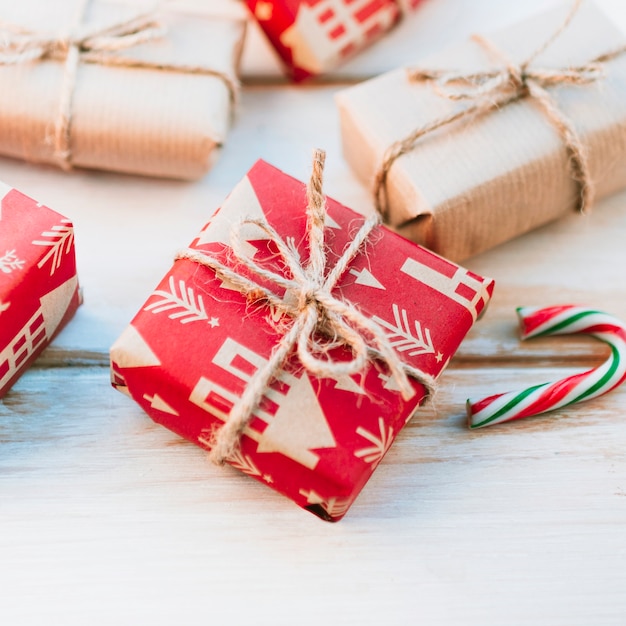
pixel 558 320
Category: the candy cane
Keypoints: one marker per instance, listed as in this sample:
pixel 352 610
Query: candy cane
pixel 558 320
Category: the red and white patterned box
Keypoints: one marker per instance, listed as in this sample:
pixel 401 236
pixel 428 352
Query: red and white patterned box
pixel 313 36
pixel 196 343
pixel 38 283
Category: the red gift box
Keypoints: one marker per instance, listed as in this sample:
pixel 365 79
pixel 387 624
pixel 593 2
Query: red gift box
pixel 197 342
pixel 313 36
pixel 38 283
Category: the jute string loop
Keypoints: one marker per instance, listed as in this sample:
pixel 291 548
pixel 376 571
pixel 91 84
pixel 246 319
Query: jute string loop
pixel 489 90
pixel 316 320
pixel 94 43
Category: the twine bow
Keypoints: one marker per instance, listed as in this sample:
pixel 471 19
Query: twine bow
pixel 319 321
pixel 493 89
pixel 94 43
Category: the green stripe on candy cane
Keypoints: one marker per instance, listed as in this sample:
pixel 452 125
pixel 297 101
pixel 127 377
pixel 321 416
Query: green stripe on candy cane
pixel 568 319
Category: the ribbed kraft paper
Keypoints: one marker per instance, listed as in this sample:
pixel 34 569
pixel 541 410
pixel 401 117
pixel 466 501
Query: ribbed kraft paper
pixel 146 121
pixel 477 183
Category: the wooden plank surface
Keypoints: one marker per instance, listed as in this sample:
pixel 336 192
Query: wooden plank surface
pixel 105 517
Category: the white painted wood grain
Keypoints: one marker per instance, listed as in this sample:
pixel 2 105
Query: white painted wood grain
pixel 109 518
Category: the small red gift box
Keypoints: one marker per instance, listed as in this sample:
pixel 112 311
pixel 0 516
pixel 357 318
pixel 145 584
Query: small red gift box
pixel 197 343
pixel 313 36
pixel 38 283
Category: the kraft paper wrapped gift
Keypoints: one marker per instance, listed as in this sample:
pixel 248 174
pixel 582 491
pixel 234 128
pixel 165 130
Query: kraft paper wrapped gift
pixel 314 36
pixel 38 283
pixel 197 344
pixel 483 180
pixel 87 84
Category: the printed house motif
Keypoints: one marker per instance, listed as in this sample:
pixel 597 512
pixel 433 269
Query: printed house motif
pixel 313 36
pixel 196 344
pixel 38 282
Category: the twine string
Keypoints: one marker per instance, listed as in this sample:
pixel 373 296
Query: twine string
pixel 489 90
pixel 317 319
pixel 94 43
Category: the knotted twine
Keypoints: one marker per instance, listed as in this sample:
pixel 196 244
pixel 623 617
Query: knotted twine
pixel 317 321
pixel 493 89
pixel 94 43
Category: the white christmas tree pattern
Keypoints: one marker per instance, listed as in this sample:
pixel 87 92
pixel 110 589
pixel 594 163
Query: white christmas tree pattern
pixel 289 430
pixel 9 262
pixel 183 304
pixel 401 337
pixel 380 443
pixel 60 239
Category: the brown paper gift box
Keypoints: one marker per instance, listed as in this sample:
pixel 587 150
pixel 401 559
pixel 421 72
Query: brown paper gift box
pixel 475 184
pixel 165 118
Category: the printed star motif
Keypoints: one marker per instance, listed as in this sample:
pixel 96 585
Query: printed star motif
pixel 4 306
pixel 439 357
pixel 263 11
pixel 267 478
pixel 214 321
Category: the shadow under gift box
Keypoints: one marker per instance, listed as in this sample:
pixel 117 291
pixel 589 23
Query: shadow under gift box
pixel 39 290
pixel 483 180
pixel 196 344
pixel 158 108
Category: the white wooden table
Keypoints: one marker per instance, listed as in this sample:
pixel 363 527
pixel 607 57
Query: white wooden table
pixel 107 518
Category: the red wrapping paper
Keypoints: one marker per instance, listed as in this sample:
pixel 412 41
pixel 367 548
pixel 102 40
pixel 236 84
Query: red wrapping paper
pixel 313 36
pixel 195 344
pixel 38 282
